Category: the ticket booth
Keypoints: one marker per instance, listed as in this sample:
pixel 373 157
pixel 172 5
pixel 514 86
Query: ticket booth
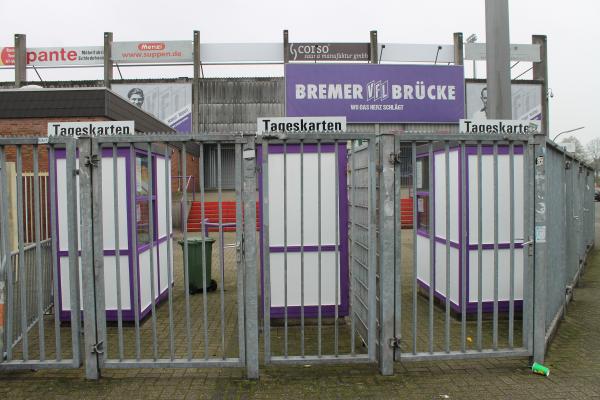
pixel 128 170
pixel 435 192
pixel 294 240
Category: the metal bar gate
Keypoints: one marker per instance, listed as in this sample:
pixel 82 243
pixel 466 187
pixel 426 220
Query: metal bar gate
pixel 348 249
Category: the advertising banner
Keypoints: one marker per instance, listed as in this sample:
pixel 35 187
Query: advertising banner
pixel 372 93
pixel 153 52
pixel 169 102
pixel 329 51
pixel 526 101
pixel 56 56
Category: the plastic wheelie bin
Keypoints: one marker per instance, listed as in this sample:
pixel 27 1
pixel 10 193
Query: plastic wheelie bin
pixel 195 264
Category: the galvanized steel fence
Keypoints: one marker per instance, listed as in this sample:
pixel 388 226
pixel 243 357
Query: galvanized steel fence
pixel 484 266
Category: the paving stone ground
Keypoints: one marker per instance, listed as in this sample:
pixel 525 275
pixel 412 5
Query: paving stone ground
pixel 573 358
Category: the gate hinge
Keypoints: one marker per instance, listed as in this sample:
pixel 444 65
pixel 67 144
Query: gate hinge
pixel 92 160
pixel 97 348
pixel 395 342
pixel 239 250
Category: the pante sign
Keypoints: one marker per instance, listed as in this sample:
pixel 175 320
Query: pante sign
pixel 100 128
pixel 56 56
pixel 329 51
pixel 153 51
pixel 500 126
pixel 376 93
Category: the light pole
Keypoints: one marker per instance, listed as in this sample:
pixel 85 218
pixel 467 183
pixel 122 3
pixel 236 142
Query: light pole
pixel 472 39
pixel 570 130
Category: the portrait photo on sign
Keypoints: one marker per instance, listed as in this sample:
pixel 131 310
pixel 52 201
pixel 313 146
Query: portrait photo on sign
pixel 526 101
pixel 169 102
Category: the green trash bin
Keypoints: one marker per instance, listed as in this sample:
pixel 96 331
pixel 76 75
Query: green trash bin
pixel 195 264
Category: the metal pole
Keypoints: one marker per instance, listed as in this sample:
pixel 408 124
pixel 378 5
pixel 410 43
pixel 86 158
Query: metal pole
pixel 250 260
pixel 20 59
pixel 108 67
pixel 386 270
pixel 498 59
pixel 373 48
pixel 540 251
pixel 286 47
pixel 196 85
pixel 87 259
pixel 458 49
pixel 540 72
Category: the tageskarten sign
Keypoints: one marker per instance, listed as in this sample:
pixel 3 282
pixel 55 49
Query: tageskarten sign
pixel 376 93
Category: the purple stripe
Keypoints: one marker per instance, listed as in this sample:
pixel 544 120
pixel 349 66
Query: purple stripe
pixel 308 148
pixel 298 249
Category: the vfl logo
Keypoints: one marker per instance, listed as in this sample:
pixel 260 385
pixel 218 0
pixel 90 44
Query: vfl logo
pixel 377 90
pixel 533 128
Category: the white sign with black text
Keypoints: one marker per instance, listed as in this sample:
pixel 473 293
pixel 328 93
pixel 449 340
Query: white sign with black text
pixel 92 128
pixel 500 126
pixel 300 125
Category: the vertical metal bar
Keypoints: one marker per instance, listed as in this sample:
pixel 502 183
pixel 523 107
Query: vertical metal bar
pixel 54 244
pixel 250 260
pixel 186 275
pixel 495 317
pixel 463 241
pixel 511 309
pixel 540 257
pixel 528 281
pixel 169 229
pixel 134 246
pixel 285 255
pixel 302 350
pixel 386 256
pixel 38 252
pixel 98 252
pixel 319 219
pixel 73 247
pixel 479 249
pixel 151 204
pixel 266 256
pixel 86 194
pixel 25 192
pixel 116 219
pixel 352 247
pixel 398 243
pixel 431 222
pixel 415 254
pixel 222 249
pixel 372 271
pixel 337 249
pixel 447 185
pixel 22 271
pixel 6 264
pixel 204 283
pixel 239 237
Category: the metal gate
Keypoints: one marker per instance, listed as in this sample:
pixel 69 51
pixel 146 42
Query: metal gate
pixel 370 248
pixel 172 316
pixel 31 333
pixel 464 270
pixel 318 268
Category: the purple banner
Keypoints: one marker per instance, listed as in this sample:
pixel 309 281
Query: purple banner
pixel 376 93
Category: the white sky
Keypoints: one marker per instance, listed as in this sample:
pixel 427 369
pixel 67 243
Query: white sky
pixel 572 28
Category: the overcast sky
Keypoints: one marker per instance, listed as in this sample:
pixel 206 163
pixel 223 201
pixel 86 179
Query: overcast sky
pixel 572 28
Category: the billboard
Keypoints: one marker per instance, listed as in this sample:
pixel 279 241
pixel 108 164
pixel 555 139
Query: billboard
pixel 329 51
pixel 153 52
pixel 56 56
pixel 371 93
pixel 169 102
pixel 526 100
